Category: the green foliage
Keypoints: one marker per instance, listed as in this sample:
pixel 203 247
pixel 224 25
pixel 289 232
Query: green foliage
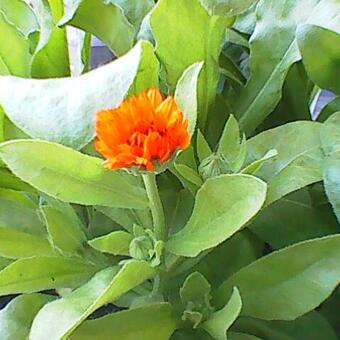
pixel 236 237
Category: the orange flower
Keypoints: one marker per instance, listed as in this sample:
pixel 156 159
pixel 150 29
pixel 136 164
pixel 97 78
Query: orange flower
pixel 143 131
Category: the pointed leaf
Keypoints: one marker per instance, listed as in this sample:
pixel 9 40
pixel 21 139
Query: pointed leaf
pixel 116 243
pixel 220 321
pixel 186 94
pixel 105 287
pixel 65 234
pixel 69 175
pixel 41 273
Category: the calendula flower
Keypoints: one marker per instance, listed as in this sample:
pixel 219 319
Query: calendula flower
pixel 144 131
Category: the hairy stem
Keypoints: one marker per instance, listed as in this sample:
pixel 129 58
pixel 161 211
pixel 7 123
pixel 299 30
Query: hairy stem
pixel 156 206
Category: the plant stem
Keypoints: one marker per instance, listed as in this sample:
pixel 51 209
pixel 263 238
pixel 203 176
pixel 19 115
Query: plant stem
pixel 156 206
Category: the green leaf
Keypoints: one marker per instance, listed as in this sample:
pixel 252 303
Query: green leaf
pixel 195 289
pixel 109 24
pixel 18 215
pixel 256 165
pixel 227 7
pixel 73 309
pixel 10 181
pixel 229 145
pixel 116 243
pixel 21 15
pixel 322 63
pixel 287 283
pixel 17 317
pixel 15 57
pixel 295 166
pixel 170 23
pixel 64 108
pixel 331 177
pixel 154 322
pixel 241 336
pixel 51 58
pixel 224 256
pixel 219 322
pixel 69 175
pixel 203 148
pixel 41 273
pixel 148 71
pixel 330 138
pixel 292 219
pixel 276 25
pixel 186 94
pixel 311 326
pixel 17 244
pixel 233 201
pixel 134 10
pixel 189 174
pixel 64 233
pixel 329 109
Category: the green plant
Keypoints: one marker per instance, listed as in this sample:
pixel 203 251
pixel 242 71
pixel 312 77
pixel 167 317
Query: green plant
pixel 237 236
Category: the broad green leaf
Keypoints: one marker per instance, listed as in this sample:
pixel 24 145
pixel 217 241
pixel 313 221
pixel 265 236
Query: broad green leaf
pixel 287 283
pixel 21 15
pixel 219 322
pixel 116 243
pixel 311 326
pixel 330 138
pixel 148 71
pixel 227 7
pixel 276 25
pixel 64 233
pixel 331 177
pixel 109 23
pixel 330 308
pixel 247 247
pixel 64 109
pixel 41 273
pixel 295 166
pixel 329 109
pixel 18 197
pixel 186 94
pixel 322 63
pixel 51 57
pixel 233 201
pixel 17 215
pixel 10 181
pixel 73 309
pixel 256 165
pixel 17 317
pixel 15 54
pixel 292 219
pixel 2 122
pixel 69 175
pixel 154 322
pixel 202 147
pixel 16 244
pixel 4 262
pixel 229 144
pixel 241 336
pixel 295 103
pixel 195 289
pixel 135 10
pixel 189 174
pixel 185 34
